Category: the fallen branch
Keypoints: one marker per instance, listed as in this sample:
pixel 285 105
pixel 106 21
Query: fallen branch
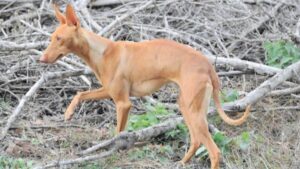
pixel 244 65
pixel 11 46
pixel 108 2
pixel 265 88
pixel 25 16
pixel 284 91
pixel 125 140
pixel 256 26
pixel 77 160
pixel 32 91
pixel 123 17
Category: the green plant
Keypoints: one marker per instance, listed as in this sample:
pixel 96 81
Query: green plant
pixel 222 142
pixel 243 140
pixel 155 152
pixel 281 53
pixel 229 95
pixel 108 162
pixel 151 117
pixel 11 163
pixel 4 105
pixel 140 153
pixel 180 132
pixel 91 166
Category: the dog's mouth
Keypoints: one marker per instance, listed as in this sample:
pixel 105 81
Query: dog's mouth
pixel 58 57
pixel 44 59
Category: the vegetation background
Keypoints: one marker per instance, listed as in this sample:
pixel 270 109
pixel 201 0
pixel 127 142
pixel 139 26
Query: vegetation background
pixel 261 31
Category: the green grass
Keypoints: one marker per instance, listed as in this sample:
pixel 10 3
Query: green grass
pixel 14 163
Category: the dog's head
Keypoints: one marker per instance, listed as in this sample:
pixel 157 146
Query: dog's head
pixel 64 37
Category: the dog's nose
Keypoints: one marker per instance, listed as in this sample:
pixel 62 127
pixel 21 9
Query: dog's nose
pixel 44 58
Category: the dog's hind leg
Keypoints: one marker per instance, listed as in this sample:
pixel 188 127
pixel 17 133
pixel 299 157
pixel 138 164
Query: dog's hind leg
pixel 194 102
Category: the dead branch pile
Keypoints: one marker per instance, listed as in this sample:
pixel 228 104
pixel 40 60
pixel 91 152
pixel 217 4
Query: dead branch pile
pixel 229 33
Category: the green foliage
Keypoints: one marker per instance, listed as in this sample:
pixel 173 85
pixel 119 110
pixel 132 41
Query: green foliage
pixel 140 153
pixel 243 140
pixel 222 142
pixel 156 152
pixel 11 163
pixel 4 106
pixel 180 132
pixel 150 118
pixel 229 95
pixel 101 164
pixel 281 53
pixel 91 166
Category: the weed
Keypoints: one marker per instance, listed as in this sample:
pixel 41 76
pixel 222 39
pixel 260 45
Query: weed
pixel 180 132
pixel 91 166
pixel 8 163
pixel 243 140
pixel 281 53
pixel 222 142
pixel 229 95
pixel 151 117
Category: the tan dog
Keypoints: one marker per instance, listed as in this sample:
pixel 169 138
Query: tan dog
pixel 138 69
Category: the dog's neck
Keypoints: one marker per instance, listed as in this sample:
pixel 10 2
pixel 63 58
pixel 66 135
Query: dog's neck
pixel 90 47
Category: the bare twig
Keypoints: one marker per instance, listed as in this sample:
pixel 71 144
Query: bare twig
pixel 123 17
pixel 284 91
pixel 11 46
pixel 265 88
pixel 33 90
pixel 108 2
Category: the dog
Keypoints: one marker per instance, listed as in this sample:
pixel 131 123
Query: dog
pixel 139 68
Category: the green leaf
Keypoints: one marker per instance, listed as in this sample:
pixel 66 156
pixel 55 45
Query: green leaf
pixel 281 53
pixel 243 140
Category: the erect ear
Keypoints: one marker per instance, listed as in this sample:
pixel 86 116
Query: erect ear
pixel 71 16
pixel 59 16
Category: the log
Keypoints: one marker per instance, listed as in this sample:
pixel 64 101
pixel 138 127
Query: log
pixel 265 88
pixel 33 90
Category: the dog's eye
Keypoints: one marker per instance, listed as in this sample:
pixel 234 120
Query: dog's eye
pixel 58 38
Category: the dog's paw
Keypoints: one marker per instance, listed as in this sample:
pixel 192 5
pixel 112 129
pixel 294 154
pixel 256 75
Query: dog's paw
pixel 182 163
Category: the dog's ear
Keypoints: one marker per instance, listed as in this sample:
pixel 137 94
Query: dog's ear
pixel 59 16
pixel 72 19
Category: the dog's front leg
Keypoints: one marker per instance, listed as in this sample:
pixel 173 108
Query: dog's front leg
pixel 123 108
pixel 119 91
pixel 87 95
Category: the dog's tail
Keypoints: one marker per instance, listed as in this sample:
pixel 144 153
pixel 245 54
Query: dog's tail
pixel 216 91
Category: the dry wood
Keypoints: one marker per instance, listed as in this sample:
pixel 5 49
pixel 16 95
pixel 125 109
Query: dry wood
pixel 32 91
pixel 108 2
pixel 105 30
pixel 124 140
pixel 256 26
pixel 265 88
pixel 284 91
pixel 11 46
